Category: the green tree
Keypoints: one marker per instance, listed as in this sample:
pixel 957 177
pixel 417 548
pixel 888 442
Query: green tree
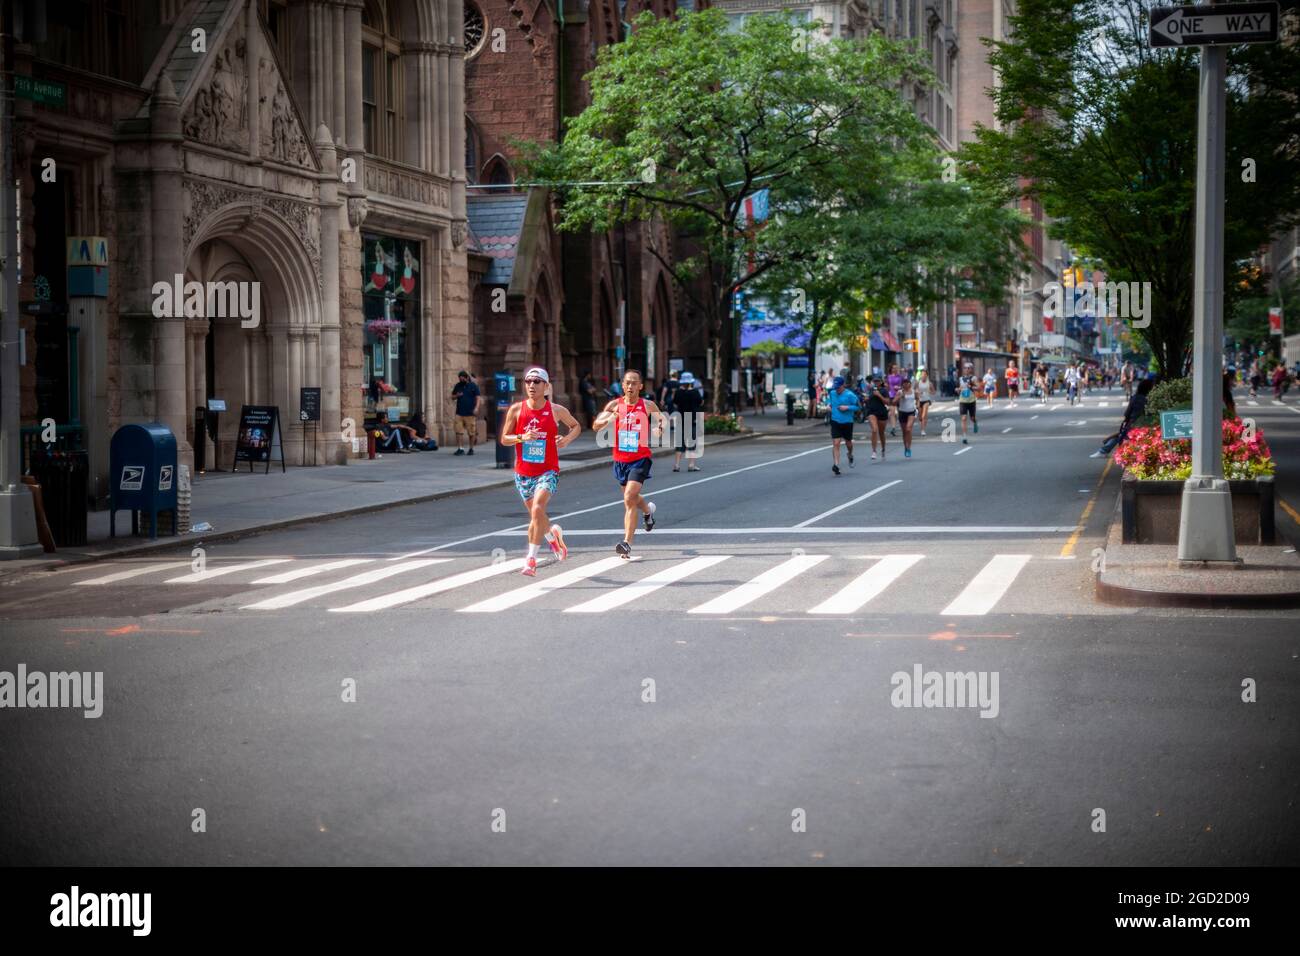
pixel 688 118
pixel 1102 129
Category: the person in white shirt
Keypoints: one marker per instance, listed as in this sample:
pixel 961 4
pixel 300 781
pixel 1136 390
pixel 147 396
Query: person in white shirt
pixel 990 386
pixel 1072 384
pixel 924 396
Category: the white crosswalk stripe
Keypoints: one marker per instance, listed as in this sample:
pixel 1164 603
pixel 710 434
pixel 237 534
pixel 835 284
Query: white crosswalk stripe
pixel 521 595
pixel 984 591
pixel 356 581
pixel 135 573
pixel 769 580
pixel 630 592
pixel 196 577
pixel 407 595
pixel 867 585
pixel 299 573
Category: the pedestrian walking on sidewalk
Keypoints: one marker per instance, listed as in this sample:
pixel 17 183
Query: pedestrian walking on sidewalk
pixel 532 426
pixel 466 396
pixel 633 419
pixel 843 403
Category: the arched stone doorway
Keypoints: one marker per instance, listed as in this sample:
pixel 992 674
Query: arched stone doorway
pixel 230 358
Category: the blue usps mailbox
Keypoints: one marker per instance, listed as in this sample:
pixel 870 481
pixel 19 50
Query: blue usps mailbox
pixel 142 474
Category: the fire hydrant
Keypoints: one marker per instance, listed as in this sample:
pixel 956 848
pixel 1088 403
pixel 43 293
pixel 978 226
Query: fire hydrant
pixel 371 443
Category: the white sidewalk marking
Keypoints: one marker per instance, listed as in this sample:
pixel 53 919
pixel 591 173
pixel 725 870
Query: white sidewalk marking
pixel 867 585
pixel 849 504
pixel 516 596
pixel 297 573
pixel 198 576
pixel 630 592
pixel 614 504
pixel 984 591
pixel 135 573
pixel 407 595
pixel 963 451
pixel 356 581
pixel 769 580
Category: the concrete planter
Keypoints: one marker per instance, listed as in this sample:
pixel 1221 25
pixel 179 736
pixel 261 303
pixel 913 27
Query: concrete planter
pixel 1151 510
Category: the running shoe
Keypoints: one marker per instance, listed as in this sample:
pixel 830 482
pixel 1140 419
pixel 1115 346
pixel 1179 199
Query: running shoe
pixel 623 549
pixel 835 468
pixel 530 568
pixel 851 465
pixel 873 456
pixel 650 516
pixel 907 453
pixel 556 541
pixel 965 442
pixel 977 428
pixel 922 431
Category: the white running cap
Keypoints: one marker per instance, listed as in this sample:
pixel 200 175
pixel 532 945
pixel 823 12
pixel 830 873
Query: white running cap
pixel 538 373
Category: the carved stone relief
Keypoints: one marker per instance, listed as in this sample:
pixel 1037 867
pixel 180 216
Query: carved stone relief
pixel 282 138
pixel 218 114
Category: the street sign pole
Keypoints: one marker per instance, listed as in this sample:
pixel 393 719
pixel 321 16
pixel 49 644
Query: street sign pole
pixel 17 510
pixel 1205 531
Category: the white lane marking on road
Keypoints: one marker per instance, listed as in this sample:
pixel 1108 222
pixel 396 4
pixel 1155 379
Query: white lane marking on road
pixel 407 595
pixel 849 504
pixel 297 573
pixel 769 580
pixel 1055 407
pixel 1032 417
pixel 207 575
pixel 1005 430
pixel 742 532
pixel 356 581
pixel 135 573
pixel 984 591
pixel 630 592
pixel 962 451
pixel 1103 404
pixel 867 585
pixel 618 503
pixel 1251 401
pixel 517 596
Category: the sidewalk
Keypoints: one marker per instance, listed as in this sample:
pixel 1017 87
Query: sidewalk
pixel 237 504
pixel 1150 575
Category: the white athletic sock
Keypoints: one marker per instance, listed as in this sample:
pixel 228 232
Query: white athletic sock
pixel 550 535
pixel 532 550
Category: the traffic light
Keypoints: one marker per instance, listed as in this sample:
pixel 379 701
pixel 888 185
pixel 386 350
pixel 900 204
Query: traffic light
pixel 868 324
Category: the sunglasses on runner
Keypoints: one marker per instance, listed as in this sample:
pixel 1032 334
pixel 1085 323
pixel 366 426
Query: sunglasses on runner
pixel 533 381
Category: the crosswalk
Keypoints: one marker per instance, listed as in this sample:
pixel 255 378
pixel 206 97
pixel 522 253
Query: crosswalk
pixel 954 583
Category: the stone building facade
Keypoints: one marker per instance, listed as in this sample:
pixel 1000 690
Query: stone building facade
pixel 307 151
pixel 541 296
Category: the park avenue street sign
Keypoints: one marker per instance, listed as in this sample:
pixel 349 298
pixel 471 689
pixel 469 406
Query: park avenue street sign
pixel 1214 26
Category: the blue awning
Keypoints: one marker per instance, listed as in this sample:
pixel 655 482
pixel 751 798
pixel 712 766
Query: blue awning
pixel 878 343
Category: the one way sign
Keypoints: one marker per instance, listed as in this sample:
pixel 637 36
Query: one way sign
pixel 1219 25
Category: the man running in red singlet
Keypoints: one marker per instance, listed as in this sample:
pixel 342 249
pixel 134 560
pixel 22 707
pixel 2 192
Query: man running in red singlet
pixel 632 416
pixel 532 426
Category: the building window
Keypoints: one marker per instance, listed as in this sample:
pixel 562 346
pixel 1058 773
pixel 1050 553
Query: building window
pixel 275 14
pixel 381 79
pixel 99 36
pixel 475 29
pixel 471 152
pixel 390 285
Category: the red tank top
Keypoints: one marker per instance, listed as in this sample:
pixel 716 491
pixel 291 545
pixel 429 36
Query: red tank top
pixel 533 458
pixel 631 431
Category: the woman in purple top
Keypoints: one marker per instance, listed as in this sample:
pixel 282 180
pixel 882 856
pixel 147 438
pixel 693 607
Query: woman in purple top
pixel 895 382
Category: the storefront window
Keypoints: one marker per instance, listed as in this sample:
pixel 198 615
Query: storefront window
pixel 391 305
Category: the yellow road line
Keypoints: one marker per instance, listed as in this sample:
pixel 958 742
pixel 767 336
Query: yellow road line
pixel 1068 550
pixel 1295 515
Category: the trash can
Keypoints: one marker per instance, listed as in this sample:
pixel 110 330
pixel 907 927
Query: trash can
pixel 64 477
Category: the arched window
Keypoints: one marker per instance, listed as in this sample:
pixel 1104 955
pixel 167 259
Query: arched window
pixel 381 78
pixel 475 29
pixel 497 172
pixel 471 151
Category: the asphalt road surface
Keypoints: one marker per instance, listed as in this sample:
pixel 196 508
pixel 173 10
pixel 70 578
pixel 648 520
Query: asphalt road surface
pixel 729 696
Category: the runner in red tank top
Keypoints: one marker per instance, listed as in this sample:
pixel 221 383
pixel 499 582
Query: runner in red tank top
pixel 532 426
pixel 632 417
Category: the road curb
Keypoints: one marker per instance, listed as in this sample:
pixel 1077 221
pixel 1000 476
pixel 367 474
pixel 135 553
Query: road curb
pixel 196 539
pixel 1119 596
